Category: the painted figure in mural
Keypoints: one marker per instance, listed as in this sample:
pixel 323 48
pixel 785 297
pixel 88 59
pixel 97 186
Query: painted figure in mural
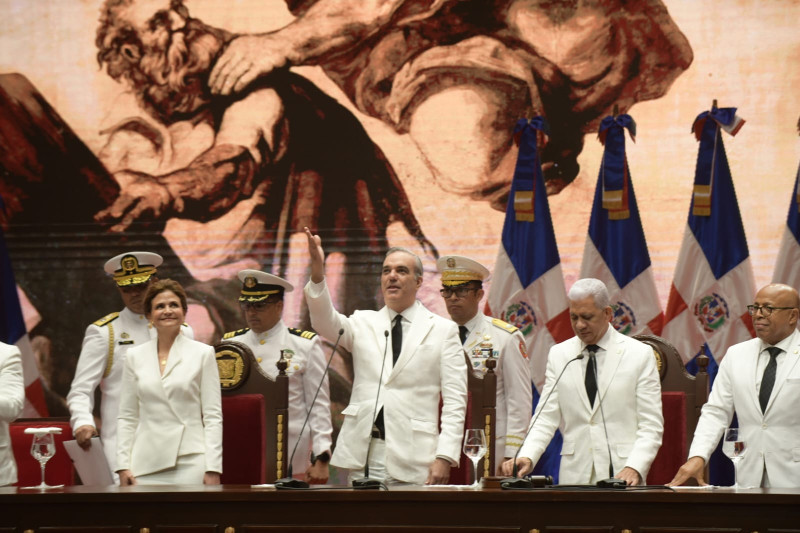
pixel 482 337
pixel 456 75
pixel 245 172
pixel 261 301
pixel 105 345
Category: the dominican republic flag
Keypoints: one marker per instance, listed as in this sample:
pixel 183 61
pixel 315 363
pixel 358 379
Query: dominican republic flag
pixel 616 250
pixel 527 285
pixel 713 283
pixel 12 331
pixel 787 267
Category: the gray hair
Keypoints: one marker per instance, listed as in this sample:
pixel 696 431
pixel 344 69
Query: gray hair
pixel 417 260
pixel 590 287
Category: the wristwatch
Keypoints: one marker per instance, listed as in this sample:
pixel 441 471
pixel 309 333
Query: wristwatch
pixel 325 457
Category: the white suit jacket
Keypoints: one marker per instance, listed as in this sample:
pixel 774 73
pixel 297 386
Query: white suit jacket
pixel 179 413
pixel 773 438
pixel 12 398
pixel 514 393
pixel 101 363
pixel 630 389
pixel 306 370
pixel 430 364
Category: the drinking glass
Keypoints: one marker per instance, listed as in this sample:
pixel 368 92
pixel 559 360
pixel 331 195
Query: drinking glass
pixel 43 448
pixel 734 447
pixel 475 448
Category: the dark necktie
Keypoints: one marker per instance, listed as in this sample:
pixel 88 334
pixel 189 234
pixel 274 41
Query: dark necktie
pixel 397 338
pixel 768 381
pixel 591 382
pixel 463 333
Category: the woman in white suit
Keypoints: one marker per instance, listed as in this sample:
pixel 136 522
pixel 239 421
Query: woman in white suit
pixel 170 416
pixel 12 398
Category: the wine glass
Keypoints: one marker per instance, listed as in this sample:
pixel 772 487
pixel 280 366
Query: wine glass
pixel 43 448
pixel 734 447
pixel 475 448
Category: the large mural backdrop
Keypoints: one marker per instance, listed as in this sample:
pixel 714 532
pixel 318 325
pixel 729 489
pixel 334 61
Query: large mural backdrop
pixel 212 131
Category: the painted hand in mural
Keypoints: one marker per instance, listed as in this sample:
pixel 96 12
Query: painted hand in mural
pixel 245 59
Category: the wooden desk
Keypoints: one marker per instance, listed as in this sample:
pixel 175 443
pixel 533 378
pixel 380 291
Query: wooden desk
pixel 241 509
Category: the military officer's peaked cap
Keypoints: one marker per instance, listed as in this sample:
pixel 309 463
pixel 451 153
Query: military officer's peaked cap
pixel 133 268
pixel 258 286
pixel 457 270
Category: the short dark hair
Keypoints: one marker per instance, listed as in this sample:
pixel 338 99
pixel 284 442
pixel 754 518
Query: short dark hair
pixel 164 285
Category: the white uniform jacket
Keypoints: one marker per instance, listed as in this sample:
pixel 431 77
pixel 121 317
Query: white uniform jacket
pixel 306 370
pixel 431 363
pixel 772 437
pixel 12 399
pixel 165 416
pixel 101 362
pixel 630 389
pixel 514 393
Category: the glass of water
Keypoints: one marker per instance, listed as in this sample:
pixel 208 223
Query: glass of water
pixel 475 448
pixel 734 447
pixel 43 448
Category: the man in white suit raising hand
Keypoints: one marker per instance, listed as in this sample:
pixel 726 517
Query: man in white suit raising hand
pixel 626 381
pixel 759 379
pixel 416 356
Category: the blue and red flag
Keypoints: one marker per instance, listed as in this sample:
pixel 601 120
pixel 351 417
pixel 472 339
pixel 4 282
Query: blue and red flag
pixel 787 266
pixel 713 283
pixel 13 331
pixel 528 285
pixel 616 248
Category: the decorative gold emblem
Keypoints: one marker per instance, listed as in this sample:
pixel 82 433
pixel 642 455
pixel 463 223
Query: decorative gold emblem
pixel 451 263
pixel 660 363
pixel 233 368
pixel 129 264
pixel 487 350
pixel 288 354
pixel 250 282
pixel 125 335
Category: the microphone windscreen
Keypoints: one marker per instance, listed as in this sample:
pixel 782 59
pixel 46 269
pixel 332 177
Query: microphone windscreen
pixel 341 331
pixel 386 333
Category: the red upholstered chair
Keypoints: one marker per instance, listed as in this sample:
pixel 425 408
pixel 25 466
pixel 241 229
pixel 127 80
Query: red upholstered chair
pixel 481 413
pixel 255 417
pixel 59 470
pixel 682 398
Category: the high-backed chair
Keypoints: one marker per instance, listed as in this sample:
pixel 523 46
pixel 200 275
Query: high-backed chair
pixel 255 417
pixel 682 398
pixel 481 414
pixel 59 469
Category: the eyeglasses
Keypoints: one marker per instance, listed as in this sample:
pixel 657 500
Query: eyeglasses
pixel 458 291
pixel 256 306
pixel 766 310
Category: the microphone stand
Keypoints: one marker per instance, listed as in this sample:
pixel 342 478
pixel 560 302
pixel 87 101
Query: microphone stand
pixel 289 482
pixel 611 482
pixel 515 482
pixel 365 482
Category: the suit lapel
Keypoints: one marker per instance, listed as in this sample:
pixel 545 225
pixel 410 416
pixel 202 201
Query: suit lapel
pixel 792 356
pixel 613 357
pixel 175 356
pixel 422 324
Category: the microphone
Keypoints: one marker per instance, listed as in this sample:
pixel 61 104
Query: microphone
pixel 611 482
pixel 365 482
pixel 515 482
pixel 289 482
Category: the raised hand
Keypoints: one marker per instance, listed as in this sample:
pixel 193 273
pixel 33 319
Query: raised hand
pixel 317 256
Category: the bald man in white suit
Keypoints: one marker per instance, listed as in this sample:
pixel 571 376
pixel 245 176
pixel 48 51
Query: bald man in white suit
pixel 769 419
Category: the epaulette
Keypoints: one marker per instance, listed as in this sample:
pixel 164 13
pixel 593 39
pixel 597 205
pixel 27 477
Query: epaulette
pixel 232 334
pixel 300 333
pixel 106 319
pixel 504 325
